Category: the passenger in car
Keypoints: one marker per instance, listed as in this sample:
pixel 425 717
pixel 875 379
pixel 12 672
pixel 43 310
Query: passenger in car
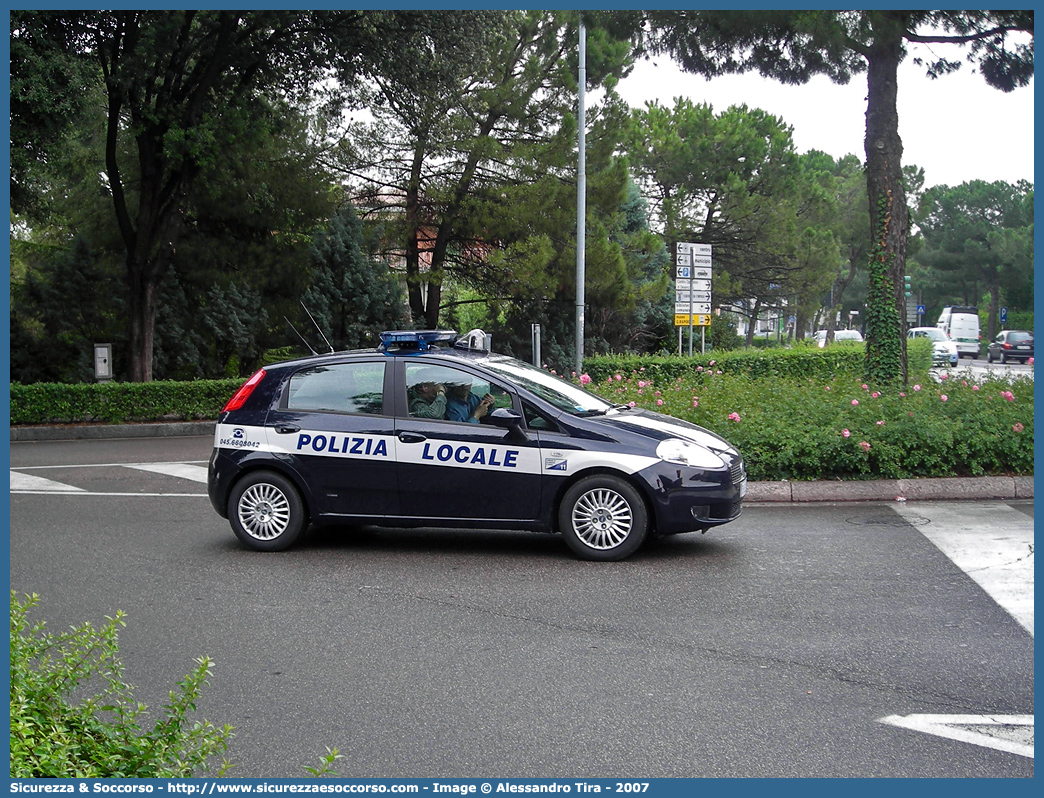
pixel 463 405
pixel 429 400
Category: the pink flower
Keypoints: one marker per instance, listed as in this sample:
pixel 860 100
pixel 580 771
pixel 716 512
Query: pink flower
pixel 855 402
pixel 617 377
pixel 585 379
pixel 828 387
pixel 1008 395
pixel 734 417
pixel 845 433
pixel 975 387
pixel 944 376
pixel 964 382
pixel 880 423
pixel 864 445
pixel 642 383
pixel 630 404
pixel 875 394
pixel 659 402
pixel 1017 427
pixel 865 388
pixel 712 363
pixel 1030 361
pixel 943 398
pixel 695 402
pixel 917 387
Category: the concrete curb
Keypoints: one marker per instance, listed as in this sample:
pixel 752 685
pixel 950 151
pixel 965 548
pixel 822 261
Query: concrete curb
pixel 929 489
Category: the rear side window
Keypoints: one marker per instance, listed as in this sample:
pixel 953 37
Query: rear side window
pixel 338 388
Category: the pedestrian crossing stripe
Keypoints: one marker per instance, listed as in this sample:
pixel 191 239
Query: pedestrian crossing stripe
pixel 1010 733
pixel 29 482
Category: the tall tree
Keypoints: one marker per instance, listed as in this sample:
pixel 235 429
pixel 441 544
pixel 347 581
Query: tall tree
pixel 792 46
pixel 978 233
pixel 493 111
pixel 733 180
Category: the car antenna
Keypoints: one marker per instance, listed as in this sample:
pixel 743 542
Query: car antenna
pixel 318 328
pixel 308 346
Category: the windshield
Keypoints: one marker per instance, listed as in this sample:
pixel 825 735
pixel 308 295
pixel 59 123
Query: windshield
pixel 931 332
pixel 563 395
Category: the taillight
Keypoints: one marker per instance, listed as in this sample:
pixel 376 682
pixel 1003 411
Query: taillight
pixel 247 388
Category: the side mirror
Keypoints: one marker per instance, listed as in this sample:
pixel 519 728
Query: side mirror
pixel 508 419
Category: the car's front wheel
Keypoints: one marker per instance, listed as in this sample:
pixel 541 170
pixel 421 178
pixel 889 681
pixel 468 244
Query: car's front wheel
pixel 266 512
pixel 603 517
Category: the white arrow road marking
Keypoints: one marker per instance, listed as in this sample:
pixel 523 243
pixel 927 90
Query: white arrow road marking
pixel 28 482
pixel 989 541
pixel 182 470
pixel 1011 733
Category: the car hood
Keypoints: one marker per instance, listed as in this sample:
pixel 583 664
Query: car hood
pixel 658 427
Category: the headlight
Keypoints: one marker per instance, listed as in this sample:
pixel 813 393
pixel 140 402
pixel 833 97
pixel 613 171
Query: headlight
pixel 674 450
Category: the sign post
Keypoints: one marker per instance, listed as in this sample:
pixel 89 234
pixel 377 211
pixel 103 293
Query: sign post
pixel 692 289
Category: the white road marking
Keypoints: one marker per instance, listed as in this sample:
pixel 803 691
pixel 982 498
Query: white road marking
pixel 22 483
pixel 989 541
pixel 1011 733
pixel 182 470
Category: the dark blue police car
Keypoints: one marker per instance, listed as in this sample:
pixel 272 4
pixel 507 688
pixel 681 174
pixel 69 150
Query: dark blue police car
pixel 432 430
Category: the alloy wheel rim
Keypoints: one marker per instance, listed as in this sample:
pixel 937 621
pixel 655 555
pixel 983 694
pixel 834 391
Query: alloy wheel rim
pixel 264 511
pixel 602 519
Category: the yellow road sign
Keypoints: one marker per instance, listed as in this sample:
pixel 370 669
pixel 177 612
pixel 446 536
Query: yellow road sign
pixel 698 320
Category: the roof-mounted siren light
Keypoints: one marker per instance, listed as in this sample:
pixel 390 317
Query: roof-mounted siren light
pixel 476 339
pixel 420 340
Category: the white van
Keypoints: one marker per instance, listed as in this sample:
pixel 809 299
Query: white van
pixel 961 323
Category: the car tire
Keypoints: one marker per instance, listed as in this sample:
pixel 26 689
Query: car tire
pixel 1003 358
pixel 266 512
pixel 603 518
pixel 989 356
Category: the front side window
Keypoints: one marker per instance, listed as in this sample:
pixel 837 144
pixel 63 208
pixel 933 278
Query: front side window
pixel 449 394
pixel 338 388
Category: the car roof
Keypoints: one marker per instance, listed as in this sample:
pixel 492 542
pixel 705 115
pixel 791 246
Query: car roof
pixel 403 343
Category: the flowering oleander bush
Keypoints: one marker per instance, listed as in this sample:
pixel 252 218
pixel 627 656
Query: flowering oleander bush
pixel 795 428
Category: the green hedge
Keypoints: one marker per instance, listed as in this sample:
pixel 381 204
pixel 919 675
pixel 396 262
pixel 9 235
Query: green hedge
pixel 119 402
pixel 802 361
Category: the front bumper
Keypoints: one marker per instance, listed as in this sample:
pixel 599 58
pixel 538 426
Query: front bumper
pixel 686 499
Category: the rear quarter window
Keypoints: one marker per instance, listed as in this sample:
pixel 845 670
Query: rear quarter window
pixel 338 388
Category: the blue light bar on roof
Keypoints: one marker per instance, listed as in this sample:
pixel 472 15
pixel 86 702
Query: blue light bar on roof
pixel 420 340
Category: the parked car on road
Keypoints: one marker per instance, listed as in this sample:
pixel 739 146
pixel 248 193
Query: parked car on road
pixel 944 351
pixel 429 430
pixel 1011 345
pixel 839 336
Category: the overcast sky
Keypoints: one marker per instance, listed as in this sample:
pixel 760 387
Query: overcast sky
pixel 955 127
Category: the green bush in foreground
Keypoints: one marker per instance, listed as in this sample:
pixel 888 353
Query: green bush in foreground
pixel 99 735
pixel 805 429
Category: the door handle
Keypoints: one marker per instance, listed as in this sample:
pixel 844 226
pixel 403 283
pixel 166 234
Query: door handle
pixel 412 437
pixel 287 428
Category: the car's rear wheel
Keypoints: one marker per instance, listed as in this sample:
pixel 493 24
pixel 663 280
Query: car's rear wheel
pixel 266 512
pixel 603 517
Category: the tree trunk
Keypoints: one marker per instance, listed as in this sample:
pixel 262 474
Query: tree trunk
pixel 889 217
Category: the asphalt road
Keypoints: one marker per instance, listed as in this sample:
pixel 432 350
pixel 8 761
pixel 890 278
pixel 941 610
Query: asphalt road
pixel 770 647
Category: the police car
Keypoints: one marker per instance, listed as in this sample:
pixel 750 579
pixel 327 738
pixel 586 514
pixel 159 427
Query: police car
pixel 432 430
